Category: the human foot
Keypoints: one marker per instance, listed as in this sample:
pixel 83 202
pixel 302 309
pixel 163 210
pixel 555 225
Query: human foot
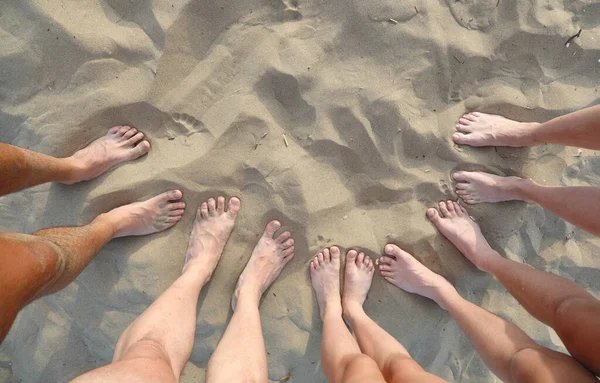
pixel 358 276
pixel 481 129
pixel 268 259
pixel 121 143
pixel 148 217
pixel 458 227
pixel 211 230
pixel 325 278
pixel 402 270
pixel 478 187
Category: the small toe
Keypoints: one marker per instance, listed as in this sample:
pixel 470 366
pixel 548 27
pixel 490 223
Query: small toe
pixel 289 243
pixel 175 213
pixel 444 209
pixel 176 205
pixel 123 130
pixel 130 133
pixel 366 259
pixel 114 129
pixel 326 255
pixel 457 208
pixel 464 128
pixel 283 237
pixel 462 208
pixel 450 206
pixel 384 267
pixel 288 253
pixel 385 260
pixel 221 205
pixel 321 258
pixel 464 121
pixel 212 206
pixel 360 258
pixel 204 210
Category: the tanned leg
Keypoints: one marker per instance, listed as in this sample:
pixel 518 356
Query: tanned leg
pixel 241 353
pixel 46 261
pixel 571 311
pixel 579 129
pixel 22 168
pixel 506 349
pixel 341 357
pixel 392 358
pixel 158 344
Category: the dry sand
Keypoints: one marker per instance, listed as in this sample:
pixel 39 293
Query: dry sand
pixel 367 105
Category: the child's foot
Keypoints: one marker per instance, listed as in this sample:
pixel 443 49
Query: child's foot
pixel 478 187
pixel 358 276
pixel 458 227
pixel 148 217
pixel 402 270
pixel 121 143
pixel 325 277
pixel 268 259
pixel 211 230
pixel 481 129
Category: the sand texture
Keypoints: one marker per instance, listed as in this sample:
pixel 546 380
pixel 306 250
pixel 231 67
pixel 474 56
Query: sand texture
pixel 367 106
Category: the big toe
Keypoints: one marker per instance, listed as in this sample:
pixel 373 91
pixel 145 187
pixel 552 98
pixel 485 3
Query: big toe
pixel 335 252
pixel 461 176
pixel 433 215
pixel 462 139
pixel 271 228
pixel 140 149
pixel 233 207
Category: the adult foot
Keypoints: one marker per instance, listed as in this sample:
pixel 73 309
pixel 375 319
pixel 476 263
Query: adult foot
pixel 121 143
pixel 358 276
pixel 325 278
pixel 402 270
pixel 268 259
pixel 481 129
pixel 478 187
pixel 458 227
pixel 148 217
pixel 211 230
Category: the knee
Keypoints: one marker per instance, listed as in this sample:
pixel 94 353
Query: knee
pixel 525 364
pixel 400 368
pixel 360 368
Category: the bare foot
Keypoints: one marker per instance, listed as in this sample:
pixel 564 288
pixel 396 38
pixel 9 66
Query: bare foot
pixel 481 129
pixel 458 227
pixel 211 230
pixel 268 259
pixel 358 276
pixel 148 217
pixel 402 270
pixel 325 277
pixel 121 143
pixel 478 187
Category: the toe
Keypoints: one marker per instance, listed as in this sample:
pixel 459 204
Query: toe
pixel 212 207
pixel 283 237
pixel 221 205
pixel 461 139
pixel 289 243
pixel 233 207
pixel 450 206
pixel 386 274
pixel 469 116
pixel 464 121
pixel 335 252
pixel 444 209
pixel 464 128
pixel 457 210
pixel 351 256
pixel 176 206
pixel 139 150
pixel 173 219
pixel 123 130
pixel 171 195
pixel 464 211
pixel 385 267
pixel 204 210
pixel 288 253
pixel 321 259
pixel 176 213
pixel 392 250
pixel 135 139
pixel 461 176
pixel 312 265
pixel 462 192
pixel 462 186
pixel 271 228
pixel 130 133
pixel 360 258
pixel 326 255
pixel 114 129
pixel 433 215
pixel 366 260
pixel 385 259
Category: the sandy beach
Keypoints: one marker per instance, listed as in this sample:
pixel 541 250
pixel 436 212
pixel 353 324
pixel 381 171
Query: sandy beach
pixel 333 116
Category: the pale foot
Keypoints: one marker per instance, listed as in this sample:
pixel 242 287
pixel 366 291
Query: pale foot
pixel 148 217
pixel 268 259
pixel 325 277
pixel 211 230
pixel 478 187
pixel 358 276
pixel 120 144
pixel 458 227
pixel 481 129
pixel 402 270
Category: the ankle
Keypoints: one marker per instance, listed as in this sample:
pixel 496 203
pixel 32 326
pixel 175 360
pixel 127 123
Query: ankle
pixel 523 188
pixel 489 260
pixel 530 134
pixel 110 222
pixel 74 171
pixel 351 309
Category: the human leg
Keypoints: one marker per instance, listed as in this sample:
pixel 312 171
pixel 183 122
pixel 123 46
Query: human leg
pixel 157 345
pixel 579 129
pixel 581 210
pixel 571 311
pixel 241 351
pixel 22 168
pixel 341 357
pixel 506 349
pixel 391 357
pixel 47 260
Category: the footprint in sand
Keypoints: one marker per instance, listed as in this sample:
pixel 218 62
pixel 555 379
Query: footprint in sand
pixel 474 14
pixel 182 124
pixel 291 11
